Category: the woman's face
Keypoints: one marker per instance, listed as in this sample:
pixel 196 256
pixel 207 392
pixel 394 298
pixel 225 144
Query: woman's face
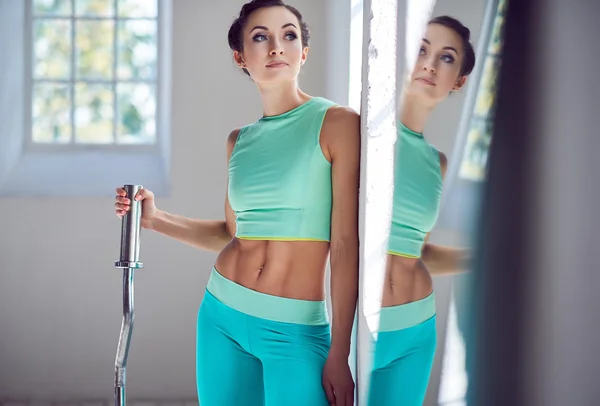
pixel 438 66
pixel 273 48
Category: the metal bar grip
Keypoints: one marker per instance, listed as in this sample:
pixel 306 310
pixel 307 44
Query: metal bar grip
pixel 129 261
pixel 130 231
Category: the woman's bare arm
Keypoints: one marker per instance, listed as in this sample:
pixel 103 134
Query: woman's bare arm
pixel 208 235
pixel 441 260
pixel 342 130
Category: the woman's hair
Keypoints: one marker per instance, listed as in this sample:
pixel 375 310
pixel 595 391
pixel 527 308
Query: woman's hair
pixel 468 62
pixel 236 31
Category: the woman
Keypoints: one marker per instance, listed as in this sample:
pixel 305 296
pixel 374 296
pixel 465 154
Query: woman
pixel 263 336
pixel 406 339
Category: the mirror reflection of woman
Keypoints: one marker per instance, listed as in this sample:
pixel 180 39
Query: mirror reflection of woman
pixel 263 335
pixel 406 341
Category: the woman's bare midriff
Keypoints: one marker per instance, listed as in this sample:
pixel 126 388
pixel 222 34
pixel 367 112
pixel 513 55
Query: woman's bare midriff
pixel 406 280
pixel 291 269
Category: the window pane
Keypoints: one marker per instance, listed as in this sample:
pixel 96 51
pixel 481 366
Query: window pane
pixel 480 135
pixel 51 113
pixel 52 7
pixel 94 42
pixel 52 49
pixel 137 49
pixel 137 114
pixel 476 152
pixel 94 114
pixel 487 89
pixel 94 8
pixel 137 8
pixel 495 46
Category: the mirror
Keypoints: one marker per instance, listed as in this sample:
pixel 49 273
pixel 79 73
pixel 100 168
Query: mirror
pixel 445 102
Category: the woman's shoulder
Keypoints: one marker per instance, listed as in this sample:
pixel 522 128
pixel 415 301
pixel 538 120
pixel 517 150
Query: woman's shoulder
pixel 341 126
pixel 341 115
pixel 237 132
pixel 333 107
pixel 443 159
pixel 443 162
pixel 233 135
pixel 231 140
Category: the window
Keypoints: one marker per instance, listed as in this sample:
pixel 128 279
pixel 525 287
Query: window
pixel 94 69
pixel 87 96
pixel 479 136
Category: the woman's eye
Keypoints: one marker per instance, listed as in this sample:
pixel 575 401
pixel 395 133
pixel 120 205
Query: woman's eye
pixel 448 58
pixel 259 37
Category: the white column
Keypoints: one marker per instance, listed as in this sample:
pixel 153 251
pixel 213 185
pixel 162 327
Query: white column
pixel 378 111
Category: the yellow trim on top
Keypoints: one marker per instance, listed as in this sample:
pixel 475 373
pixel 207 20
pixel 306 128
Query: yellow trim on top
pixel 280 239
pixel 400 254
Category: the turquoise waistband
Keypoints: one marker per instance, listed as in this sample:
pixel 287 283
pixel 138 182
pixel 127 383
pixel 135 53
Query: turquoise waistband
pixel 407 315
pixel 265 306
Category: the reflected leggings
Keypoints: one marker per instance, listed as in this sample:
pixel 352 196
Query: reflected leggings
pixel 404 354
pixel 255 349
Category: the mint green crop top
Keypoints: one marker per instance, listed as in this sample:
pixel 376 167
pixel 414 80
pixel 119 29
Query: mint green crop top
pixel 279 179
pixel 417 192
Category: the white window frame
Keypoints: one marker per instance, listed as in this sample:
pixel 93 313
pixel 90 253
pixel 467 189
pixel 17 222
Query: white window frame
pixel 86 170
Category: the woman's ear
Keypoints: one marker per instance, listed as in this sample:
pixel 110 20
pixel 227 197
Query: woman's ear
pixel 304 55
pixel 239 59
pixel 459 83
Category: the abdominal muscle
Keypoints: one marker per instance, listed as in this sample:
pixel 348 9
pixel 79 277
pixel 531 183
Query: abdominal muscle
pixel 406 280
pixel 291 269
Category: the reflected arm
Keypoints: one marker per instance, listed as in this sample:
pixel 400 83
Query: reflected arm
pixel 444 260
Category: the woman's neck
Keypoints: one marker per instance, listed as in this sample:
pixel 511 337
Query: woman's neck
pixel 280 98
pixel 415 114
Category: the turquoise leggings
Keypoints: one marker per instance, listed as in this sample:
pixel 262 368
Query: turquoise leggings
pixel 404 353
pixel 255 349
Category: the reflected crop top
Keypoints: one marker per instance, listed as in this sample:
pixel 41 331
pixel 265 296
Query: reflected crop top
pixel 417 192
pixel 279 179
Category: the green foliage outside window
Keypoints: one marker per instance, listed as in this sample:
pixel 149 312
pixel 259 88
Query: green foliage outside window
pixel 94 71
pixel 479 137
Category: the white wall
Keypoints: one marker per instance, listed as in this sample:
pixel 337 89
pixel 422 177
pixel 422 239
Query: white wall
pixel 60 296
